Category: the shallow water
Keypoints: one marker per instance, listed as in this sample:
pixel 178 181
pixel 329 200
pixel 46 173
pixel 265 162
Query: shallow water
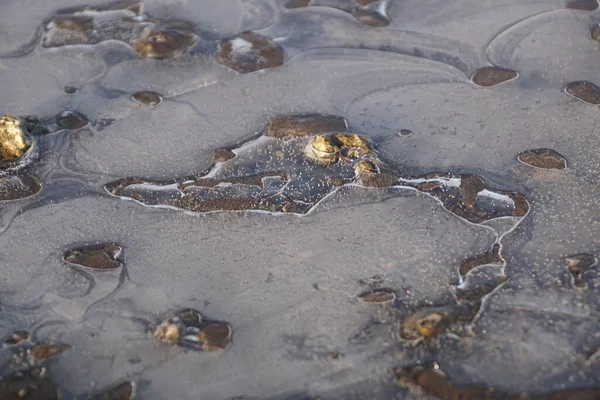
pixel 312 234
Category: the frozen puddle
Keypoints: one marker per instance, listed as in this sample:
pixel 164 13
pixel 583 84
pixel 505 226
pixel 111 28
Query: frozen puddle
pixel 289 199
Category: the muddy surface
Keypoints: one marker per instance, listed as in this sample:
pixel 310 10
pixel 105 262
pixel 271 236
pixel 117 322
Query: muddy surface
pixel 287 199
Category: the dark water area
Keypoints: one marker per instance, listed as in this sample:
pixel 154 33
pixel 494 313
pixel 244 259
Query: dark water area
pixel 299 199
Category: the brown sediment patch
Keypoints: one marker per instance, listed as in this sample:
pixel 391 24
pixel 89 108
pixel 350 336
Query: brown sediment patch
pixel 135 6
pixel 521 207
pixel 222 155
pixel 431 380
pixel 381 295
pixel 584 91
pixel 490 256
pixel 251 180
pixel 147 98
pixel 27 386
pixel 71 89
pixel 275 204
pixel 595 32
pixel 117 187
pixel 121 391
pixel 585 5
pixel 76 23
pixel 18 186
pixel 296 3
pixel 543 158
pixel 470 186
pixel 214 336
pixel 491 76
pixel 301 125
pixel 475 293
pixel 371 174
pixel 103 256
pixel 370 17
pixel 71 120
pixel 249 52
pixel 46 350
pixel 16 337
pixel 469 197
